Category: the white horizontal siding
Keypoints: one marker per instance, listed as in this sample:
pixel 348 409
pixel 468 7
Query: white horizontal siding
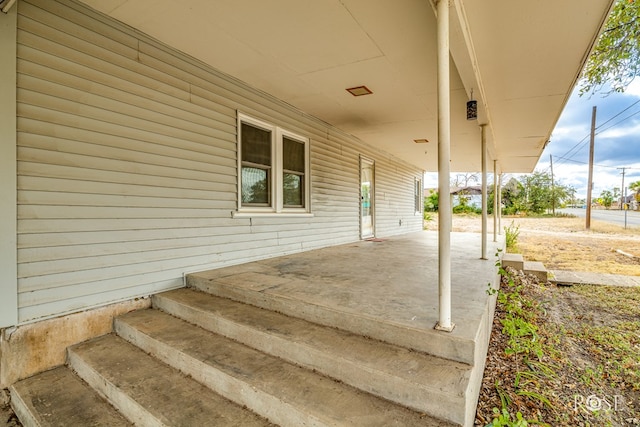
pixel 127 167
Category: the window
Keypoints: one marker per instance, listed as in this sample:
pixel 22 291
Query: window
pixel 274 168
pixel 293 166
pixel 417 195
pixel 256 166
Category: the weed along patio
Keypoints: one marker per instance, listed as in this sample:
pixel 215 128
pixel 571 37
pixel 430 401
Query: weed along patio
pixel 213 212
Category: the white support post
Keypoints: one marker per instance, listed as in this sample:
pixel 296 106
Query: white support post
pixel 500 204
pixel 483 138
pixel 444 157
pixel 496 196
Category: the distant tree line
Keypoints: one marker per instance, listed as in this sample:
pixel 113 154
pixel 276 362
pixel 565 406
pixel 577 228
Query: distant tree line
pixel 531 194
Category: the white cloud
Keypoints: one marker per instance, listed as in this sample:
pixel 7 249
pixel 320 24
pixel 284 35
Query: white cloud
pixel 634 88
pixel 622 132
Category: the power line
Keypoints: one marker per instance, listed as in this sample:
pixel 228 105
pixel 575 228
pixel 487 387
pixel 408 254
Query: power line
pixel 564 156
pixel 595 165
pixel 583 140
pixel 602 124
pixel 617 123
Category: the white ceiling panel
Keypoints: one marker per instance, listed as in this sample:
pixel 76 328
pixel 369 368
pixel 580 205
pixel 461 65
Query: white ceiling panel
pixel 521 59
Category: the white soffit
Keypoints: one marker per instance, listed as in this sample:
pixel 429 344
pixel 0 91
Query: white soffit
pixel 306 53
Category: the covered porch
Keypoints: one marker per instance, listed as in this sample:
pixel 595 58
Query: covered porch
pixel 386 289
pixel 334 336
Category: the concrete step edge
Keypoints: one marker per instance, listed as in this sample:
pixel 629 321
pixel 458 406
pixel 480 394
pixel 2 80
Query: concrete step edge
pixel 447 346
pixel 128 406
pixel 25 413
pixel 53 391
pixel 149 392
pixel 239 387
pixel 513 260
pixel 537 269
pixel 437 390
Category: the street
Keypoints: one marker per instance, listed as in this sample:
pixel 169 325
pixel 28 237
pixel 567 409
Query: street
pixel 614 216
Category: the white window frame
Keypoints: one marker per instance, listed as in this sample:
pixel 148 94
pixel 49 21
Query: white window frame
pixel 418 194
pixel 277 193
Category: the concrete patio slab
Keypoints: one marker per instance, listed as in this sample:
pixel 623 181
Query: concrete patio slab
pixel 387 288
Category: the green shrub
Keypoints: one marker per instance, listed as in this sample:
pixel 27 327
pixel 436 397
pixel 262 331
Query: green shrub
pixel 511 233
pixel 466 209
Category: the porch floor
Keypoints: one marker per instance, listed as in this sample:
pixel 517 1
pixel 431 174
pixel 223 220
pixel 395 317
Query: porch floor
pixel 384 288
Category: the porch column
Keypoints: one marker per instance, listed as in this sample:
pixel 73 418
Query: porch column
pixel 483 138
pixel 8 194
pixel 495 201
pixel 500 203
pixel 444 157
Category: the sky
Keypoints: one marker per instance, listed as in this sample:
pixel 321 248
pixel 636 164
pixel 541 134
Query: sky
pixel 617 143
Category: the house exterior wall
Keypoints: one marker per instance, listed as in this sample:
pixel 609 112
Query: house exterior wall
pixel 8 271
pixel 127 167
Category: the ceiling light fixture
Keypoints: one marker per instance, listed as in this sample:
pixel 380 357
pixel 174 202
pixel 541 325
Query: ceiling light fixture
pixel 359 91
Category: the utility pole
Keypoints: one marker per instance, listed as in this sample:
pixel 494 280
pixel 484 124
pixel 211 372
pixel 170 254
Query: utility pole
pixel 590 182
pixel 622 188
pixel 553 193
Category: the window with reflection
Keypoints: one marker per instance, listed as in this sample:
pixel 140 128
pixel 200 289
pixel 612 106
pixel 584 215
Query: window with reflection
pixel 274 168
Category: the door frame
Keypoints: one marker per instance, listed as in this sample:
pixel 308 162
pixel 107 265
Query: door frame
pixel 367 162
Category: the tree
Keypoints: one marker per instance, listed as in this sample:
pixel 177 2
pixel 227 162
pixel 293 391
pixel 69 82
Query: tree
pixel 540 195
pixel 606 199
pixel 615 60
pixel 463 179
pixel 534 194
pixel 513 197
pixel 571 196
pixel 635 187
pixel 431 202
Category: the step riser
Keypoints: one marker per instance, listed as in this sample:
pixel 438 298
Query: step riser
pixel 233 389
pixel 435 343
pixel 420 397
pixel 119 399
pixel 515 261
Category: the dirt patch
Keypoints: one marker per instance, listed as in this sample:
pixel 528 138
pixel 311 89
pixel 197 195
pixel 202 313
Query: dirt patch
pixel 563 244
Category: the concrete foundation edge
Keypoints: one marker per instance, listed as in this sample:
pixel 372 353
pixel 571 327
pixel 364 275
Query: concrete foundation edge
pixel 37 347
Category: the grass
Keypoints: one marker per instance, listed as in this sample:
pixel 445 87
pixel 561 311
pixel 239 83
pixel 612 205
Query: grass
pixel 558 347
pixel 612 335
pixel 581 364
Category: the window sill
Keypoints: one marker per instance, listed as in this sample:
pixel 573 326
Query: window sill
pixel 237 214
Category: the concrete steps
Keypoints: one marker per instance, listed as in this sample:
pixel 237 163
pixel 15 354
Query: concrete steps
pixel 253 289
pixel 198 359
pixel 148 392
pixel 285 393
pixel 416 380
pixel 517 262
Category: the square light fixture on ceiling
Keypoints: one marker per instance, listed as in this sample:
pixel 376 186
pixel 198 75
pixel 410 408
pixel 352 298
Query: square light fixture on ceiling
pixel 359 91
pixel 421 141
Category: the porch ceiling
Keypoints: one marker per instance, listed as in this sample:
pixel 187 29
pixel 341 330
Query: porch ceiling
pixel 521 59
